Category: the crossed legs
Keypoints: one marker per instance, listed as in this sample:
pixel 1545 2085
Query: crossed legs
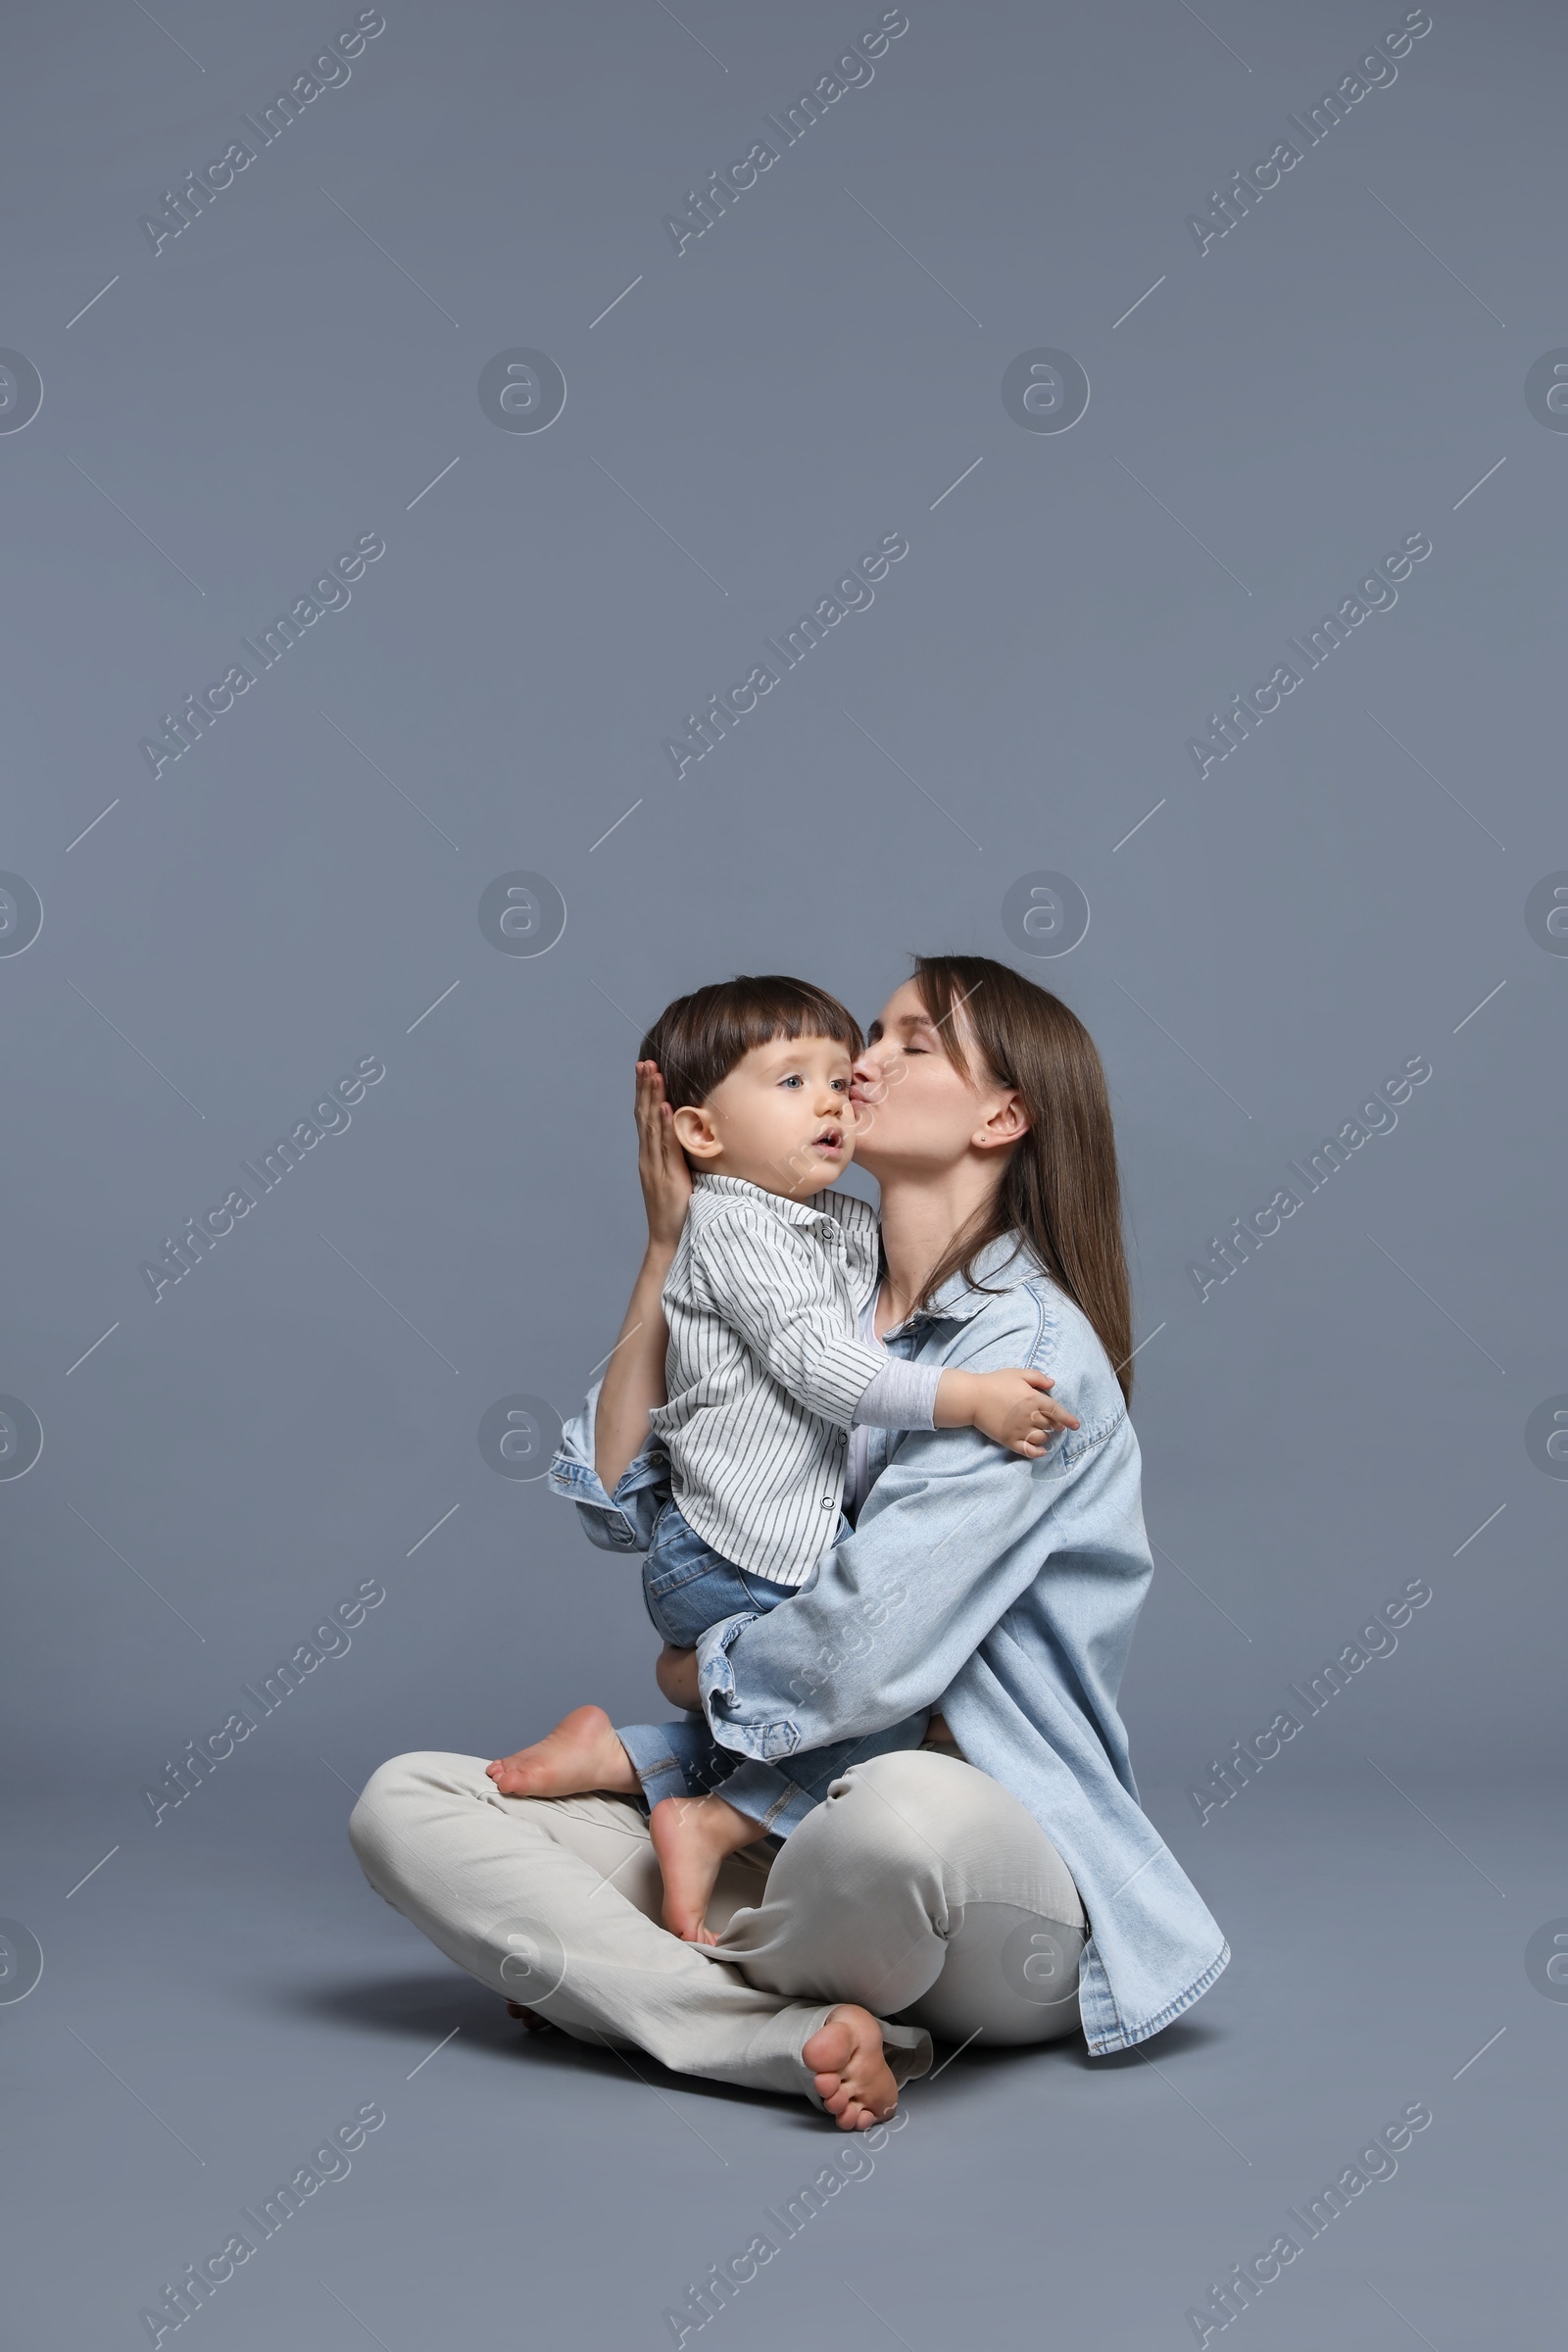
pixel 918 1897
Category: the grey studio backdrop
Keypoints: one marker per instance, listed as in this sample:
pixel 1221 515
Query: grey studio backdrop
pixel 1118 365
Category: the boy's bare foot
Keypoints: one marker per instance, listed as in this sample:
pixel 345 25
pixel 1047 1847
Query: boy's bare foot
pixel 581 1754
pixel 854 2079
pixel 692 1834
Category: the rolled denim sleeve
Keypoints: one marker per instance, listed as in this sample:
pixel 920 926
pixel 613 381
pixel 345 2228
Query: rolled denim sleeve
pixel 618 1522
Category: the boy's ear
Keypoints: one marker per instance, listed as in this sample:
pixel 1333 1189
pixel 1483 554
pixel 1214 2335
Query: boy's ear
pixel 696 1134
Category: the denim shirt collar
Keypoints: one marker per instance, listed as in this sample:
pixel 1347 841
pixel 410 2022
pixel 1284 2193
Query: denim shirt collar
pixel 1002 1265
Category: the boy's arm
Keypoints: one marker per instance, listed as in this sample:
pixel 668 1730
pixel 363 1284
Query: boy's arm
pixel 770 1287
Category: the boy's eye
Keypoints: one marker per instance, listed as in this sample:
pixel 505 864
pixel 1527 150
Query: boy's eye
pixel 794 1079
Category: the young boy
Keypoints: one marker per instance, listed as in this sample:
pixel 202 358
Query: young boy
pixel 771 1364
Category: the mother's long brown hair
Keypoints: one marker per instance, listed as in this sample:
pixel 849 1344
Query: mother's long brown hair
pixel 1060 1190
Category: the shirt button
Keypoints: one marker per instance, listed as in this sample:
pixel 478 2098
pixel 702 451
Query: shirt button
pixel 827 1502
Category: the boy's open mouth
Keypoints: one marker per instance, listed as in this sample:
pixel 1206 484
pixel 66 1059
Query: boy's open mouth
pixel 829 1139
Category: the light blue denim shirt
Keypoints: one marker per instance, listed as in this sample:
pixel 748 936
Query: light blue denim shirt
pixel 1000 1591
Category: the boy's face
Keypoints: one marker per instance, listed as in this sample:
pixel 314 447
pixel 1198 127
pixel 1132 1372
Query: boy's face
pixel 782 1119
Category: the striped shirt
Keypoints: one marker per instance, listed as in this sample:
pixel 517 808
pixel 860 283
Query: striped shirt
pixel 768 1373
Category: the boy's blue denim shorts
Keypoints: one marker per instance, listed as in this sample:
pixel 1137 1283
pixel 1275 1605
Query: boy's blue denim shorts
pixel 687 1587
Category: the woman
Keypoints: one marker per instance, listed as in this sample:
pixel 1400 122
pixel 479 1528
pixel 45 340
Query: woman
pixel 940 1892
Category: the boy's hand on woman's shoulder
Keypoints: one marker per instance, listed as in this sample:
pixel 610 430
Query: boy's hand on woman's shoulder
pixel 1014 1407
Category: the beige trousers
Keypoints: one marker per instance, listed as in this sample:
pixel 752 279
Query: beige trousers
pixel 918 1888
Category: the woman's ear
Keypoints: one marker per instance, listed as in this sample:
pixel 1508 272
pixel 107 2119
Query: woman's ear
pixel 695 1132
pixel 1006 1124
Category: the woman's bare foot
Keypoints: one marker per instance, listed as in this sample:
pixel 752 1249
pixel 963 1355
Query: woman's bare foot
pixel 581 1754
pixel 692 1834
pixel 854 2079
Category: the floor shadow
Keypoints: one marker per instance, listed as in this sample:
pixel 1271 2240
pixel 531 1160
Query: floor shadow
pixel 421 2007
pixel 1176 2041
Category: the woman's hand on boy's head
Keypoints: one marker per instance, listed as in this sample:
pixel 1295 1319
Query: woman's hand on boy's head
pixel 661 1168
